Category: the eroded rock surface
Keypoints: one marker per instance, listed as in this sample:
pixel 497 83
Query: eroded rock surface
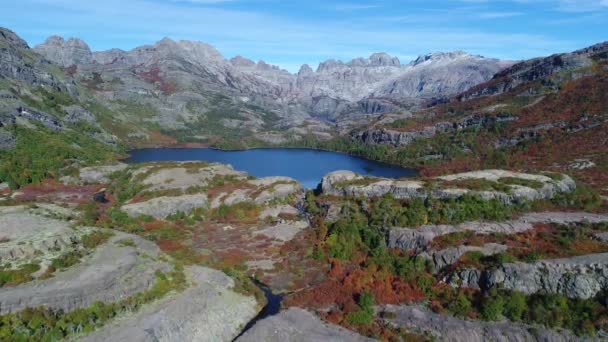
pixel 449 328
pixel 210 310
pixel 419 239
pixel 111 272
pixel 295 324
pixel 347 183
pixel 577 277
pixel 161 207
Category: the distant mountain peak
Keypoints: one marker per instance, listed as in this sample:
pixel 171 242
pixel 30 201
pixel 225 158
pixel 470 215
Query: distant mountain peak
pixel 65 53
pixel 443 56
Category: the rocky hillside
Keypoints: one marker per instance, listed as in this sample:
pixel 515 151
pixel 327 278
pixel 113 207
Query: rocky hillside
pixel 543 113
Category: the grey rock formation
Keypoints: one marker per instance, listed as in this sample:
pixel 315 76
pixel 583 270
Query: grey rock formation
pixel 295 324
pixel 99 174
pixel 449 328
pixel 383 136
pixel 577 277
pixel 347 183
pixel 110 273
pixel 65 53
pixel 161 207
pixel 449 256
pixel 19 63
pixel 370 85
pixel 210 310
pixel 418 239
pixel 536 69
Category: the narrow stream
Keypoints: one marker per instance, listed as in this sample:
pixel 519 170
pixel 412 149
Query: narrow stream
pixel 273 306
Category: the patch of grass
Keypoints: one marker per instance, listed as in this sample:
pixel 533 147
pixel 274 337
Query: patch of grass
pixel 477 184
pixel 10 277
pixel 530 183
pixel 239 212
pixel 126 242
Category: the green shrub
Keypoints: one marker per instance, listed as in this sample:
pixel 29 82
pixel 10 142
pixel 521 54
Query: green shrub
pixel 365 314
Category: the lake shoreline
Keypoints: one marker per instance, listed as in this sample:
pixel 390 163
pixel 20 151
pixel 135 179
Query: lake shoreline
pixel 306 165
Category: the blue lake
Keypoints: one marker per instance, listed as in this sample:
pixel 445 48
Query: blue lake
pixel 305 165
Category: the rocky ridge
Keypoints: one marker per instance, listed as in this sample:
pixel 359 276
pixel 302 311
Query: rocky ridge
pixel 347 183
pixel 578 277
pixel 448 328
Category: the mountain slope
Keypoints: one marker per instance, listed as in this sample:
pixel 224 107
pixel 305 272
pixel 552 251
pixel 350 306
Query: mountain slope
pixel 545 113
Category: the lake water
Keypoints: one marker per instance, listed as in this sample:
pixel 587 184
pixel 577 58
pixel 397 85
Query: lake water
pixel 305 165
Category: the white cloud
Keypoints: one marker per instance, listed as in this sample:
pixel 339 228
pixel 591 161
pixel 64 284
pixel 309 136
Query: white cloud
pixel 496 15
pixel 277 39
pixel 582 5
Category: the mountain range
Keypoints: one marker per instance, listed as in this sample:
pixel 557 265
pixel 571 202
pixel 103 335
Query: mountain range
pixel 171 74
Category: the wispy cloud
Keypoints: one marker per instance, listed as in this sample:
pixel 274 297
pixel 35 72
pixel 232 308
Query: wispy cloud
pixel 582 5
pixel 497 15
pixel 347 7
pixel 280 37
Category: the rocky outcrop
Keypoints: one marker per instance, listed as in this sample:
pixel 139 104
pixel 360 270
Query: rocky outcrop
pixel 184 175
pixel 383 136
pixel 284 231
pixel 99 174
pixel 449 256
pixel 418 240
pixel 295 324
pixel 164 206
pixel 19 63
pixel 347 183
pixel 112 272
pixel 536 69
pixel 28 234
pixel 65 53
pixel 210 310
pixel 449 328
pixel 577 277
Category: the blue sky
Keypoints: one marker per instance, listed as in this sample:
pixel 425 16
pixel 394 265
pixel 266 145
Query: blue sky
pixel 290 33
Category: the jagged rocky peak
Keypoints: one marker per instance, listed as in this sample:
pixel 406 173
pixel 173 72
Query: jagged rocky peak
pixel 383 59
pixel 305 70
pixel 108 56
pixel 329 65
pixel 65 53
pixel 442 56
pixel 240 61
pixel 12 39
pixel 194 49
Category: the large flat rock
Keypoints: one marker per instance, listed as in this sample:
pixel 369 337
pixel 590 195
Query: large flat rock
pixel 296 324
pixel 112 272
pixel 208 311
pixel 161 207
